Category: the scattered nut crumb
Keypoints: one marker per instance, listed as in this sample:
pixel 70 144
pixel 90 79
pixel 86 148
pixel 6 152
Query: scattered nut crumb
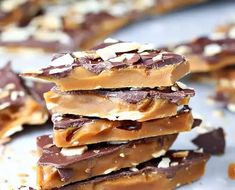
pixel 23 175
pixel 33 153
pixel 4 140
pixel 174 164
pixel 110 170
pixel 181 154
pixel 231 107
pixel 210 101
pixel 134 169
pixel 158 153
pixel 218 113
pixel 231 171
pixel 73 151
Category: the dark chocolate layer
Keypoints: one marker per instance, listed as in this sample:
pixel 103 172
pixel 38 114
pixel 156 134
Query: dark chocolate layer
pixel 148 167
pixel 134 96
pixel 51 155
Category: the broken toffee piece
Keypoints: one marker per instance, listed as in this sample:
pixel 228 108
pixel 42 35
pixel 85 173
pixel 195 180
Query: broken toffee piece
pixel 120 104
pixel 114 65
pixel 18 11
pixel 60 166
pixel 70 130
pixel 210 53
pixel 212 142
pixel 17 107
pixel 167 172
pixel 78 25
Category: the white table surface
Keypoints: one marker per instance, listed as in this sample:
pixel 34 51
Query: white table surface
pixel 18 157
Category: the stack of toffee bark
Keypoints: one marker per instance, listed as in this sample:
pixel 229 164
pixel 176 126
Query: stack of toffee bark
pixel 117 109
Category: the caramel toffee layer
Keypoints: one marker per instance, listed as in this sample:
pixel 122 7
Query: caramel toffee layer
pixel 16 105
pixel 61 166
pixel 124 104
pixel 210 53
pixel 70 130
pixel 114 65
pixel 168 172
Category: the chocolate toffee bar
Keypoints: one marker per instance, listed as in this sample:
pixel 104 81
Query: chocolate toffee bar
pixel 18 11
pixel 78 25
pixel 52 32
pixel 75 24
pixel 123 104
pixel 71 130
pixel 60 166
pixel 209 53
pixel 168 172
pixel 17 107
pixel 114 65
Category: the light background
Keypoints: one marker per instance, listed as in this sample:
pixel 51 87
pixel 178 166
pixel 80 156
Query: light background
pixel 171 28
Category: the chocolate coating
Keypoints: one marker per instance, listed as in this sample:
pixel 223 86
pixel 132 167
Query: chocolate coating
pixel 134 96
pixel 97 65
pixel 51 154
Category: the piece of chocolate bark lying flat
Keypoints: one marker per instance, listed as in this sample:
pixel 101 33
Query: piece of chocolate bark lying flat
pixel 17 107
pixel 18 11
pixel 78 25
pixel 210 53
pixel 225 88
pixel 114 64
pixel 168 172
pixel 212 142
pixel 60 166
pixel 121 104
pixel 71 130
